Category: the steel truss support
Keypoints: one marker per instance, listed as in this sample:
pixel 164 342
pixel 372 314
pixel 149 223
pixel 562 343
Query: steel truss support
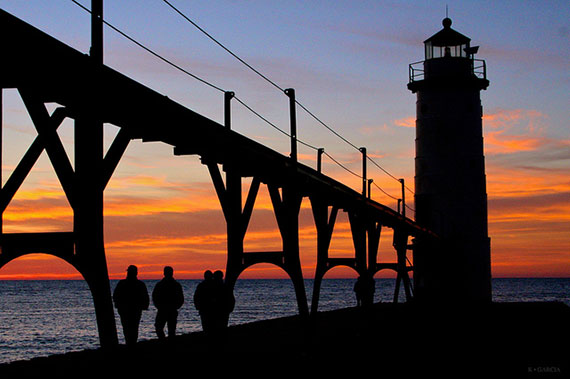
pixel 324 223
pixel 88 221
pixel 83 187
pixel 401 245
pixel 358 223
pixel 286 207
pixel 286 204
pixel 365 237
pixel 373 230
pixel 366 232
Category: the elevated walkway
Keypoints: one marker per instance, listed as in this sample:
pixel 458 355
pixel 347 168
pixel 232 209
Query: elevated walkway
pixel 57 73
pixel 45 70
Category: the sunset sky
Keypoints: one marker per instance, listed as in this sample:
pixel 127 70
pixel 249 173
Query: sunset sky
pixel 348 62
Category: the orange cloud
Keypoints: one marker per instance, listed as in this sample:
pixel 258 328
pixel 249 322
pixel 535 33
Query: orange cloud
pixel 513 131
pixel 406 122
pixel 498 142
pixel 508 118
pixel 507 181
pixel 529 195
pixel 529 218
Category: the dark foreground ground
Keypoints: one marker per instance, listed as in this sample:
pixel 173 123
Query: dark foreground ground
pixel 501 340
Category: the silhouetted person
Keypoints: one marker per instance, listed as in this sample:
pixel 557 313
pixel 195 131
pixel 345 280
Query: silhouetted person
pixel 167 297
pixel 223 302
pixel 131 298
pixel 364 289
pixel 203 301
pixel 358 291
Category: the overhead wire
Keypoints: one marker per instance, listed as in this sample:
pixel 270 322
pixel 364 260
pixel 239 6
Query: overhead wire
pixel 255 71
pixel 174 65
pixel 221 45
pixel 384 192
pixel 343 166
pixel 325 125
pixel 150 50
pixel 260 116
pixel 274 85
pixel 187 72
pixel 195 76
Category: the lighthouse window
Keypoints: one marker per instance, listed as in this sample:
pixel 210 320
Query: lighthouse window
pixel 445 51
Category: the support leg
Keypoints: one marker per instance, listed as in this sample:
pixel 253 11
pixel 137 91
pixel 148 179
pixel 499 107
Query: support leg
pixel 88 224
pixel 316 290
pixel 358 230
pixel 234 227
pixel 286 208
pixel 324 224
pixel 400 243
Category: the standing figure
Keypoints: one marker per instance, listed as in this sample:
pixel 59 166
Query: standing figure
pixel 203 301
pixel 167 297
pixel 223 302
pixel 364 289
pixel 358 291
pixel 131 298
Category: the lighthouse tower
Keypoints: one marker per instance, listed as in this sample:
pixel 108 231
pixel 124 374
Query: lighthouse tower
pixel 450 188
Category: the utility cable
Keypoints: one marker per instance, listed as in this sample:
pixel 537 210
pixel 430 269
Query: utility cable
pixel 151 51
pixel 221 45
pixel 206 82
pixel 276 86
pixel 343 166
pixel 190 74
pixel 254 70
pixel 260 116
pixel 167 61
pixel 384 192
pixel 325 125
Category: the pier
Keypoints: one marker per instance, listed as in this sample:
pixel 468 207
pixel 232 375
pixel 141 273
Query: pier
pixel 415 337
pixel 91 94
pixel 512 339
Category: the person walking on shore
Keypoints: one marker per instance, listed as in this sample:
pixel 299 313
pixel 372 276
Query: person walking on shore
pixel 364 289
pixel 214 301
pixel 131 298
pixel 203 300
pixel 167 297
pixel 224 302
pixel 358 291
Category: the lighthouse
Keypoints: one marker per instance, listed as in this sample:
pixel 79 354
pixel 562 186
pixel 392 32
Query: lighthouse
pixel 450 182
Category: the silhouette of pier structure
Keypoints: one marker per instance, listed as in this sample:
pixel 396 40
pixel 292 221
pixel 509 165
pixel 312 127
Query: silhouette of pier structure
pixel 45 70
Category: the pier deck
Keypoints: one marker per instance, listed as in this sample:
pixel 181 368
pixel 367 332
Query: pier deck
pixel 518 339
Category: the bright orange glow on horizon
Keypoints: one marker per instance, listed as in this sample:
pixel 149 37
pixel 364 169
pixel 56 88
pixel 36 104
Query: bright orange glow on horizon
pixel 161 209
pixel 152 221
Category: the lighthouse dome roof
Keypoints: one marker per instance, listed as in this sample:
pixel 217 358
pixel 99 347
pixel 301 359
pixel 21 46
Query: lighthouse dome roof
pixel 447 36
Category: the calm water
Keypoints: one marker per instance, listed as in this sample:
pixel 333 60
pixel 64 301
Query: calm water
pixel 39 318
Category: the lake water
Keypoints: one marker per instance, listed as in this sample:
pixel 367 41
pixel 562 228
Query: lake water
pixel 39 318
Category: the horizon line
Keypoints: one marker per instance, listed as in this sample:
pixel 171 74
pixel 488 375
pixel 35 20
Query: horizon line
pixel 266 278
